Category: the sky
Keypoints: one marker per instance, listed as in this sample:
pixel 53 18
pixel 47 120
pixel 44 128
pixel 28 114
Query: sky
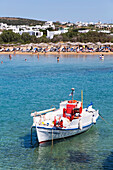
pixel 59 10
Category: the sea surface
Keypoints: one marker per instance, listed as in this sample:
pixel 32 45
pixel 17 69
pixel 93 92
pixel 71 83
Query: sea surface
pixel 29 83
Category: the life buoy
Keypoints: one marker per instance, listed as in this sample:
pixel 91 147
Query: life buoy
pixel 80 110
pixel 72 101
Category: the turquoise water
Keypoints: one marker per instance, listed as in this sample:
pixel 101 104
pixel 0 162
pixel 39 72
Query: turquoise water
pixel 36 84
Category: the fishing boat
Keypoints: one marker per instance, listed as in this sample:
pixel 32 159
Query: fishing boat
pixel 69 120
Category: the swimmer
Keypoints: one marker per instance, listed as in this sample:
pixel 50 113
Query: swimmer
pixel 57 59
pixel 10 56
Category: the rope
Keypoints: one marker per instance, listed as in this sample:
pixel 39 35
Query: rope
pixel 104 120
pixel 52 106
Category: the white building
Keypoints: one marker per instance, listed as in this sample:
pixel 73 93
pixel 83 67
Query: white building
pixel 105 31
pixel 84 24
pixel 3 26
pixel 35 33
pixel 63 23
pixel 78 23
pixel 50 34
pixel 36 27
pixel 91 23
pixel 83 31
pixel 14 28
pixel 48 24
pixel 81 24
pixel 32 30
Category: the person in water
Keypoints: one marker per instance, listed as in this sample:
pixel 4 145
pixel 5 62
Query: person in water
pixel 10 56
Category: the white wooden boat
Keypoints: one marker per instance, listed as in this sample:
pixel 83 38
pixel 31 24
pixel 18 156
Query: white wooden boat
pixel 70 119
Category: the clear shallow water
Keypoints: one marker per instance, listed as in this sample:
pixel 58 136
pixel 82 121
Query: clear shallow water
pixel 37 84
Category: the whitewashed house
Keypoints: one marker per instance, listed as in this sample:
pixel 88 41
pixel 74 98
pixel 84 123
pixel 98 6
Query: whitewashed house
pixel 50 34
pixel 105 31
pixel 3 26
pixel 14 28
pixel 83 31
pixel 31 32
pixel 48 24
pixel 78 24
pixel 36 27
pixel 91 23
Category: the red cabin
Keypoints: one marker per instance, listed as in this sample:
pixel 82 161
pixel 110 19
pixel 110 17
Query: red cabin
pixel 71 109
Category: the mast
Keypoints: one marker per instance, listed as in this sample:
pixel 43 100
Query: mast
pixel 82 98
pixel 72 92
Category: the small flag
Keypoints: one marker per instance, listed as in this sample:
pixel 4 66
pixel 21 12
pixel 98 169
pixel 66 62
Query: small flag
pixel 70 94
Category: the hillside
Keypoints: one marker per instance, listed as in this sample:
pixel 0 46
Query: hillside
pixel 20 21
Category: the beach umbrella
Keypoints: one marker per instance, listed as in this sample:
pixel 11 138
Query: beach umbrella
pixel 111 44
pixel 99 43
pixel 58 44
pixel 106 43
pixel 23 45
pixel 68 43
pixel 31 44
pixel 72 43
pixel 83 44
pixel 76 43
pixel 79 43
pixel 51 43
pixel 90 43
pixel 35 45
pixel 43 44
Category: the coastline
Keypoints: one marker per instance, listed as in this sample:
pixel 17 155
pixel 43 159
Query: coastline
pixel 56 53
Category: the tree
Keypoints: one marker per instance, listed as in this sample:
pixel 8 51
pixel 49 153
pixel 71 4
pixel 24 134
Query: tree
pixel 26 38
pixel 43 39
pixel 1 41
pixel 9 36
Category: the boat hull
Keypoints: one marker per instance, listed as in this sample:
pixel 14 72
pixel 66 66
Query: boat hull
pixel 47 134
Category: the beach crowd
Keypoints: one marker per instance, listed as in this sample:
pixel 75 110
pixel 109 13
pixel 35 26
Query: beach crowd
pixel 57 48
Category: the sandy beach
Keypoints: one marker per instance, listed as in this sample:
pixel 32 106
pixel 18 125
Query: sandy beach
pixel 56 53
pixel 55 49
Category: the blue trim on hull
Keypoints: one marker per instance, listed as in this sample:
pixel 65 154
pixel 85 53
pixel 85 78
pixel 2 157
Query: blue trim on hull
pixel 56 128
